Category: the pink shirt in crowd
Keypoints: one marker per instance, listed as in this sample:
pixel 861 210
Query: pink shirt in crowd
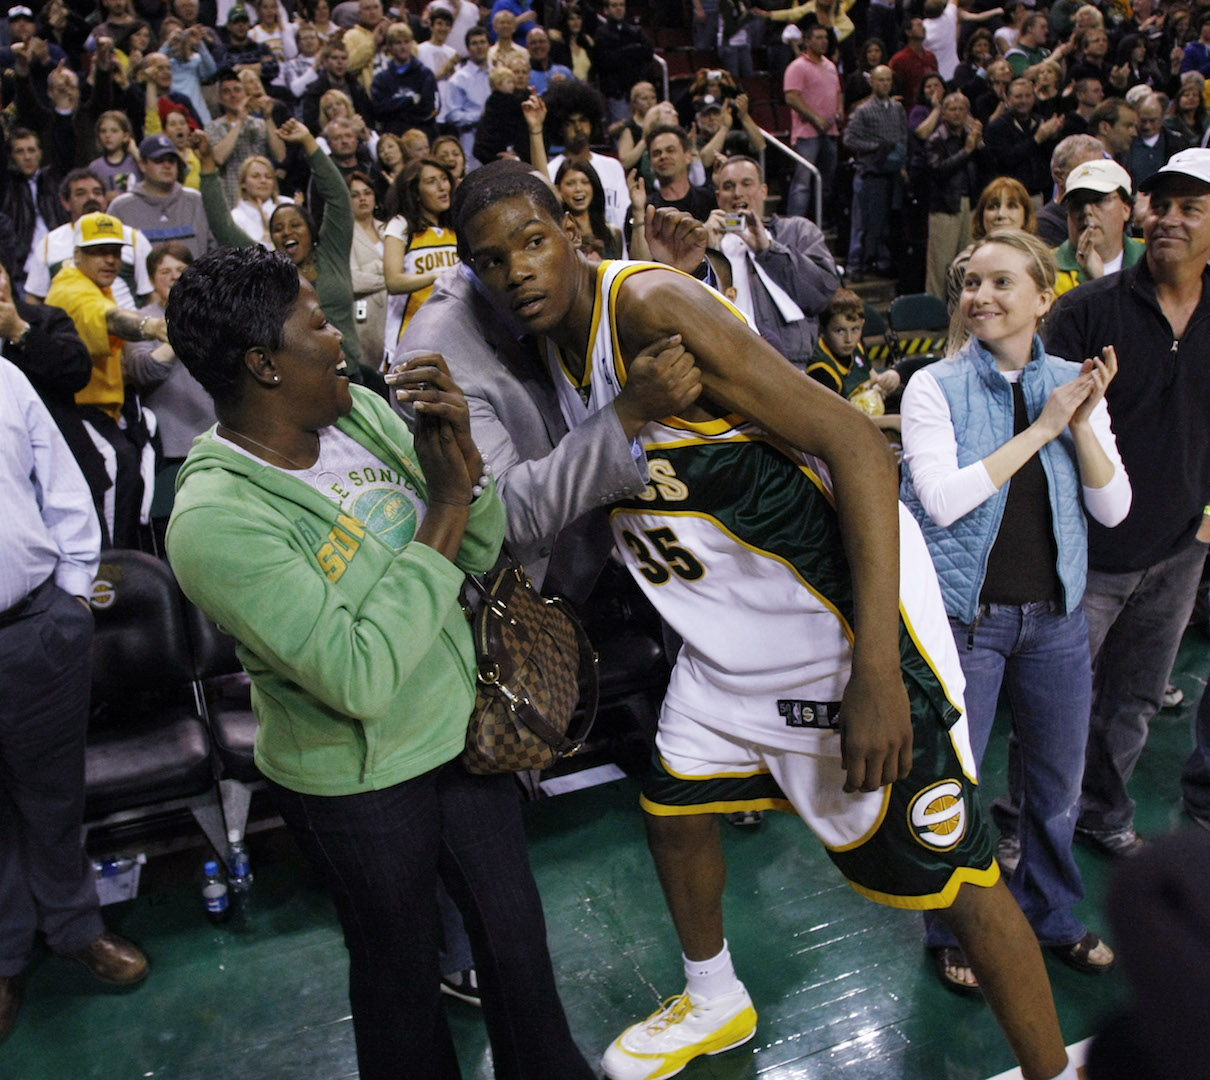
pixel 819 84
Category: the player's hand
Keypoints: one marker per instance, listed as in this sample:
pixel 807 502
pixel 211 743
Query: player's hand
pixel 662 380
pixel 875 730
pixel 675 238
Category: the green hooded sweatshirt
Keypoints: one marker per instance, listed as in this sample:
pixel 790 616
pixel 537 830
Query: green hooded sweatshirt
pixel 361 659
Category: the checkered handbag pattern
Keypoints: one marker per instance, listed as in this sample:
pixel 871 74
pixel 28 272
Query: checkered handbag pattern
pixel 535 667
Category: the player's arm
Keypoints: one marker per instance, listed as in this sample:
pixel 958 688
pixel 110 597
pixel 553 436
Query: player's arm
pixel 744 374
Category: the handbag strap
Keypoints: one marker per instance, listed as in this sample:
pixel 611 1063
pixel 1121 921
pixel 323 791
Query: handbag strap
pixel 589 682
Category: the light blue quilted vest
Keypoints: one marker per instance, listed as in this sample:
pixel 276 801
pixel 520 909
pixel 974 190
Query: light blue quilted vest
pixel 981 406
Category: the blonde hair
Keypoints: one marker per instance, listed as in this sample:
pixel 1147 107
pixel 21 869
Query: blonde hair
pixel 246 167
pixel 1040 264
pixel 329 99
pixel 400 32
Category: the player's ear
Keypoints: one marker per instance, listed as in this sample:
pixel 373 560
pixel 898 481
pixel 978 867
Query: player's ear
pixel 572 231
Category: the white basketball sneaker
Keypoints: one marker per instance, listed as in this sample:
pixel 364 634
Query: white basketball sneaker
pixel 677 1032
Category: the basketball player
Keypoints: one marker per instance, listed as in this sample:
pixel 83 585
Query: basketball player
pixel 816 675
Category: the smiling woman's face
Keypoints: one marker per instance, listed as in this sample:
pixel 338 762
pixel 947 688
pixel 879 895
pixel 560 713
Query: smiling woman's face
pixel 291 234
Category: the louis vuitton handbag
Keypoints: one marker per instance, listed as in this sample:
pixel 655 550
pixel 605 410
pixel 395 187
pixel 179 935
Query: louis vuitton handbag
pixel 536 665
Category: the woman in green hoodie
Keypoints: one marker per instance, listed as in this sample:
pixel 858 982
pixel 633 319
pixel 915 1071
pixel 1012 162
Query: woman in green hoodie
pixel 333 548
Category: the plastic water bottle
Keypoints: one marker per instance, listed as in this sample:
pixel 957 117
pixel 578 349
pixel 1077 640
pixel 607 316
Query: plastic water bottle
pixel 214 892
pixel 239 868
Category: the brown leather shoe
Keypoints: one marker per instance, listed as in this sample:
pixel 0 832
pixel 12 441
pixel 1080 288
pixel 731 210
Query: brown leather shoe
pixel 113 959
pixel 10 1002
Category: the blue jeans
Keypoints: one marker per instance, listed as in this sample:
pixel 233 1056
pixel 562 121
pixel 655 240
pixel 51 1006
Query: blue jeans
pixel 1136 620
pixel 873 203
pixel 705 32
pixel 737 59
pixel 1195 777
pixel 380 853
pixel 1041 658
pixel 822 153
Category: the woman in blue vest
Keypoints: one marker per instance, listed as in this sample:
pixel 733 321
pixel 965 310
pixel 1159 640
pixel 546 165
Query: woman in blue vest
pixel 1005 449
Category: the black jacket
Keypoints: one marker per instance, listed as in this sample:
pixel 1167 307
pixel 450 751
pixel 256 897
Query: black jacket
pixel 502 125
pixel 952 172
pixel 1158 402
pixel 620 56
pixel 1016 153
pixel 58 365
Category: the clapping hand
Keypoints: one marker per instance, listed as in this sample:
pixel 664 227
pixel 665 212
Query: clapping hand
pixel 1101 371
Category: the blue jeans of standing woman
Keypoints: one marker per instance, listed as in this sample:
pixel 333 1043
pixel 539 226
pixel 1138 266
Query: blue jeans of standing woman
pixel 379 853
pixel 1040 656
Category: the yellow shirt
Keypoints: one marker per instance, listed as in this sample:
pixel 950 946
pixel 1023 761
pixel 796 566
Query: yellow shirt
pixel 88 305
pixel 841 22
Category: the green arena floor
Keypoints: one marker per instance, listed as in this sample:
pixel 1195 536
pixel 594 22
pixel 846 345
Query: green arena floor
pixel 843 987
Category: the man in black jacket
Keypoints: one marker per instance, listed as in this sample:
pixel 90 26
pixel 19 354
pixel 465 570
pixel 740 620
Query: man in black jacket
pixel 29 194
pixel 1020 143
pixel 620 57
pixel 954 157
pixel 334 75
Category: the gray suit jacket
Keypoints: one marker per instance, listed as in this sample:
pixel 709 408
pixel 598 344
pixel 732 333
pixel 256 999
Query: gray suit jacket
pixel 555 483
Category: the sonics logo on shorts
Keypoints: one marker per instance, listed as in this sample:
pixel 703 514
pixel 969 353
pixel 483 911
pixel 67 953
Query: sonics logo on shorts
pixel 938 815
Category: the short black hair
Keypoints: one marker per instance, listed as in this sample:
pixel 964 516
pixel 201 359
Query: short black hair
pixel 682 136
pixel 477 31
pixel 226 303
pixel 228 75
pixel 494 183
pixel 73 177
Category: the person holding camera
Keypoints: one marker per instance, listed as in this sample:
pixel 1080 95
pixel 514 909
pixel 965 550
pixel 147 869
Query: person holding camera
pixel 782 273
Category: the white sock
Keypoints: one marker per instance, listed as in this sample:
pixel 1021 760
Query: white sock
pixel 706 979
pixel 1069 1073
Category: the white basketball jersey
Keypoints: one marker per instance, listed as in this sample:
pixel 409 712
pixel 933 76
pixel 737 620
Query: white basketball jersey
pixel 737 543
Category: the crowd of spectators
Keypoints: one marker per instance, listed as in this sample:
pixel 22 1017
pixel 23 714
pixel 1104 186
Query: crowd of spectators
pixel 141 135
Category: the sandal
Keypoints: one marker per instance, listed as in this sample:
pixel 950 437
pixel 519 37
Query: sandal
pixel 1090 955
pixel 949 960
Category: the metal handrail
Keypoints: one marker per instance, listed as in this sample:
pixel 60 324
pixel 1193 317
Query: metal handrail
pixel 664 68
pixel 817 186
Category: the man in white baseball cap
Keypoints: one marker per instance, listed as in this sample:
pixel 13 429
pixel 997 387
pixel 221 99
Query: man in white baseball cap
pixel 1098 198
